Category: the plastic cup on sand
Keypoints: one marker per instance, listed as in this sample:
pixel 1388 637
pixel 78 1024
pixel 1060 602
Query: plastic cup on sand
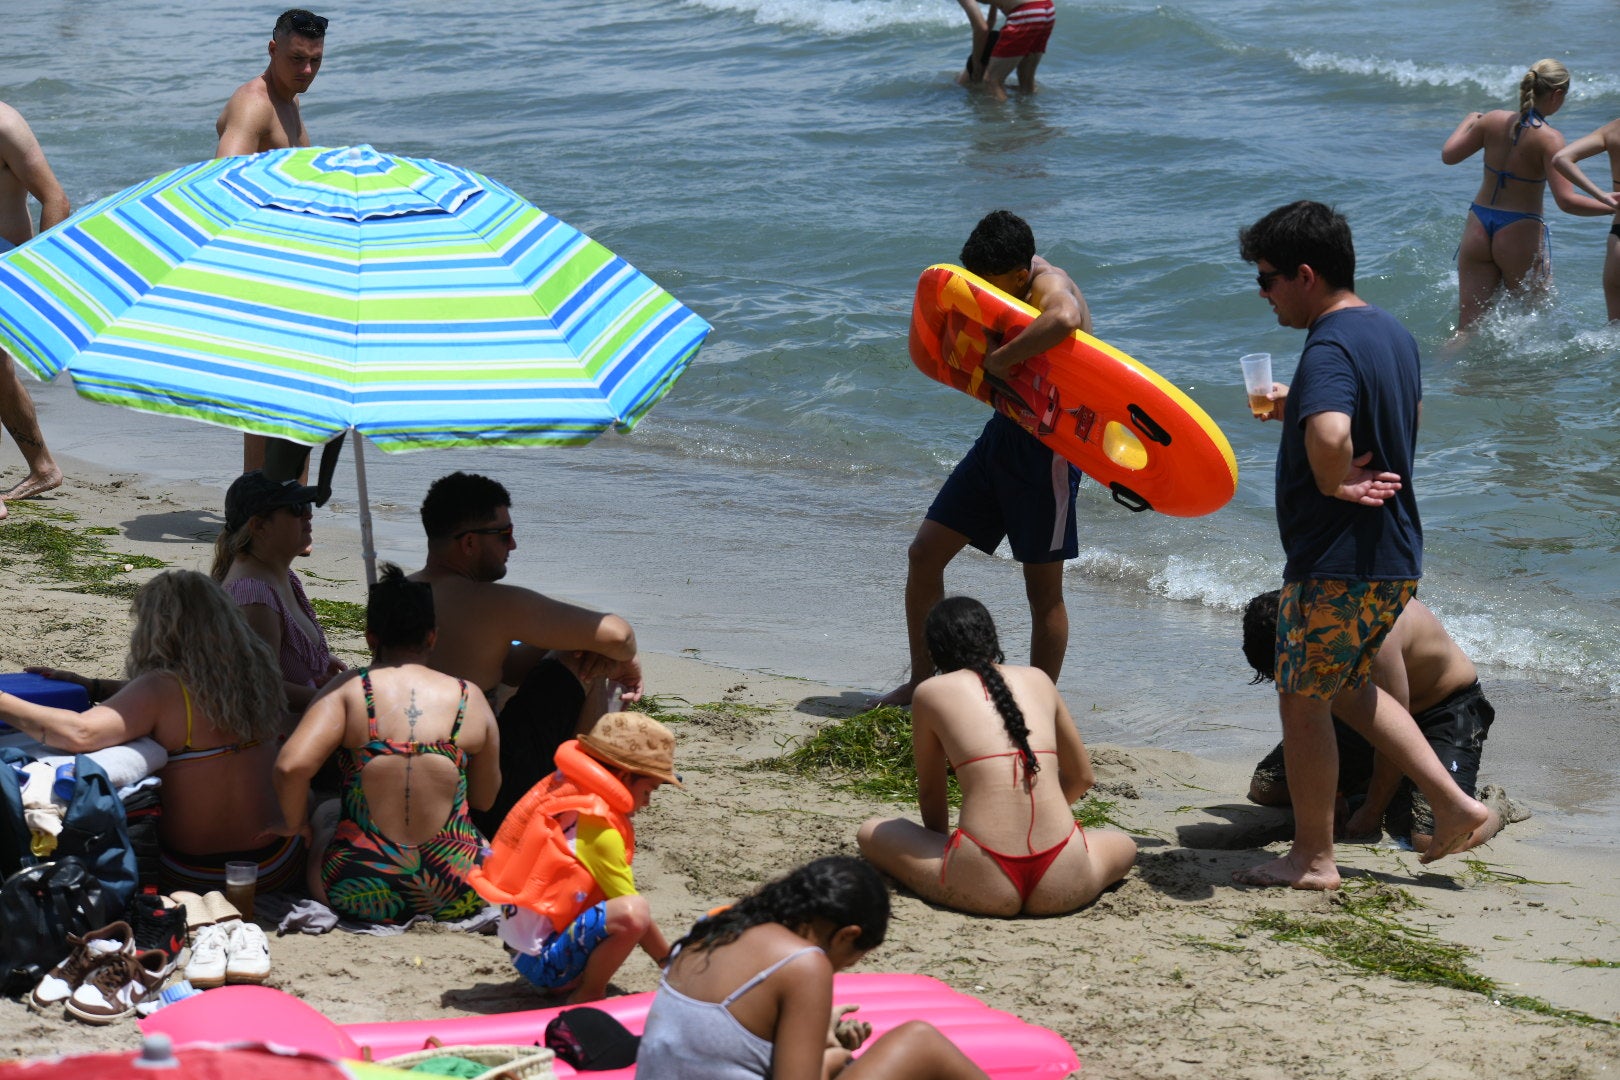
pixel 1257 381
pixel 241 880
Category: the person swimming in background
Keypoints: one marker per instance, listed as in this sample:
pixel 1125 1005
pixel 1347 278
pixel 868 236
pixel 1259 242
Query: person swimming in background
pixel 1605 138
pixel 1022 854
pixel 1505 242
pixel 748 993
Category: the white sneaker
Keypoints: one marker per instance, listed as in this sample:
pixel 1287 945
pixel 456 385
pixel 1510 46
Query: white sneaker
pixel 247 955
pixel 207 967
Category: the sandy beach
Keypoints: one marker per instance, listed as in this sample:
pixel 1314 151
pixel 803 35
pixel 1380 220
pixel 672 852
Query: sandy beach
pixel 1174 973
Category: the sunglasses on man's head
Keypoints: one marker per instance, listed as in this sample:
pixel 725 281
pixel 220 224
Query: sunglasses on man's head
pixel 502 531
pixel 308 24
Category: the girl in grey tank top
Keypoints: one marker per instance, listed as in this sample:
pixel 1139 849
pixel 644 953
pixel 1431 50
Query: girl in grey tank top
pixel 772 956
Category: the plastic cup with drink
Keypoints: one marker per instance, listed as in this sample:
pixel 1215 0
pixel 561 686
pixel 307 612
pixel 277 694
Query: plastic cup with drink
pixel 241 880
pixel 1257 381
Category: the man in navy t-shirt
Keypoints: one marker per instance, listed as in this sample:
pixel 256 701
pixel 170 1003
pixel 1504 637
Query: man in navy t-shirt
pixel 1348 517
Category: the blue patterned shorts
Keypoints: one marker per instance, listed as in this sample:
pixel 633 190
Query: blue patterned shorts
pixel 563 958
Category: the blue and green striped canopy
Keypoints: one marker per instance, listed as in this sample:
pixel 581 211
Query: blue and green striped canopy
pixel 298 293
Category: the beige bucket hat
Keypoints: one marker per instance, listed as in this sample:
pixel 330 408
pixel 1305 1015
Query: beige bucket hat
pixel 635 742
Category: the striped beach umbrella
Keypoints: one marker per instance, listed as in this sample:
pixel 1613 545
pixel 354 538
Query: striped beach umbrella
pixel 302 293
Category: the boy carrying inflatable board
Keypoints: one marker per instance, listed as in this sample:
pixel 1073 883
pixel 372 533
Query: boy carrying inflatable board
pixel 560 865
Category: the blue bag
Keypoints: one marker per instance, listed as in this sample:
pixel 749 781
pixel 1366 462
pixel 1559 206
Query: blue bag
pixel 93 828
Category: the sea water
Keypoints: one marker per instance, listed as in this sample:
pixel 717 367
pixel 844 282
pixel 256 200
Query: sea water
pixel 786 167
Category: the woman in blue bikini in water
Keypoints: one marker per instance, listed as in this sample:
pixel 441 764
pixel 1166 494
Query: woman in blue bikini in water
pixel 1020 763
pixel 1505 242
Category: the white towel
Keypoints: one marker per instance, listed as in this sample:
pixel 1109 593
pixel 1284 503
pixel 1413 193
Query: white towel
pixel 127 764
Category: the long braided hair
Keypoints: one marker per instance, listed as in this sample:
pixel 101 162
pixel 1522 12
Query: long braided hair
pixel 1544 77
pixel 961 634
pixel 840 889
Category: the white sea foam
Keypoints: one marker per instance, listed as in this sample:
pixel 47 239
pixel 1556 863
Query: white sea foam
pixel 1497 81
pixel 1560 642
pixel 846 19
pixel 1550 648
pixel 1224 585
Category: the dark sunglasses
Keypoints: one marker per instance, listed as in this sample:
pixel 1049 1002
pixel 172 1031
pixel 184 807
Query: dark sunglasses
pixel 299 509
pixel 502 531
pixel 1265 277
pixel 307 23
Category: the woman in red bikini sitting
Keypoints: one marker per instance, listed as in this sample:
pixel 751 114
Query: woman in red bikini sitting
pixel 1016 849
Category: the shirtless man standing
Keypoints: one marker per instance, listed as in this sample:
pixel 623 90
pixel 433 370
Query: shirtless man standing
pixel 263 115
pixel 1009 485
pixel 559 656
pixel 23 172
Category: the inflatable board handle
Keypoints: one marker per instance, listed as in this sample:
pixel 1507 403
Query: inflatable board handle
pixel 1127 498
pixel 1149 426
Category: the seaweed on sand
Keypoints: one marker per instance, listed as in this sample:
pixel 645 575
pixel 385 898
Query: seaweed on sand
pixel 870 754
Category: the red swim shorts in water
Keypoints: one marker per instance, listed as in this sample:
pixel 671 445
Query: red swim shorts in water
pixel 1027 30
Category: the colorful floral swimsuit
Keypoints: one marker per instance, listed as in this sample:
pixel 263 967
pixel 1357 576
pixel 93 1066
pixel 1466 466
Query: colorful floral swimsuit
pixel 368 876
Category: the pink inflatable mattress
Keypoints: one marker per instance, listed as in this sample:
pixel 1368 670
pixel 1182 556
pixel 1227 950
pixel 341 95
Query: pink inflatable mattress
pixel 1004 1046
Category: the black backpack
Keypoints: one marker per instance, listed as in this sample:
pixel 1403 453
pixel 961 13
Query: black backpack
pixel 40 906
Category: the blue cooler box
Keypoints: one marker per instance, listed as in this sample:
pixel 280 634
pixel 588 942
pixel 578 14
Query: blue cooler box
pixel 43 691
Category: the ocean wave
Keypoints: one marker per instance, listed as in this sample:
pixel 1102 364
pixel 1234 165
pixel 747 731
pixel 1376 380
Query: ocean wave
pixel 1559 647
pixel 1496 81
pixel 1224 585
pixel 1559 641
pixel 834 19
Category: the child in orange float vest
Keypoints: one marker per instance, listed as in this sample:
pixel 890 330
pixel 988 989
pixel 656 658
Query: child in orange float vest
pixel 560 864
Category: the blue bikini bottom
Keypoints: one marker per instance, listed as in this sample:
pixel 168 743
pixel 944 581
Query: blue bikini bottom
pixel 1494 219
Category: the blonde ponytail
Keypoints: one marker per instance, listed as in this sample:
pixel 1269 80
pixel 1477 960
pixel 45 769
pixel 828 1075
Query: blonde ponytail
pixel 1544 77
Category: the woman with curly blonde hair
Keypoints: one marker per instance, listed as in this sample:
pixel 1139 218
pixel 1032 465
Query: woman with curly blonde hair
pixel 1505 243
pixel 206 688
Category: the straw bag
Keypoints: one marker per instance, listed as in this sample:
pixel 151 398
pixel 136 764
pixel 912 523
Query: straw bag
pixel 505 1062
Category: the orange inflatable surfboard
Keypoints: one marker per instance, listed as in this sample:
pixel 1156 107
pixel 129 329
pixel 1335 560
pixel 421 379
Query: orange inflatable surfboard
pixel 1116 419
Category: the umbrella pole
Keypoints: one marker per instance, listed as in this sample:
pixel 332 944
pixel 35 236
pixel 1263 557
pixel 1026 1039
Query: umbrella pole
pixel 367 549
